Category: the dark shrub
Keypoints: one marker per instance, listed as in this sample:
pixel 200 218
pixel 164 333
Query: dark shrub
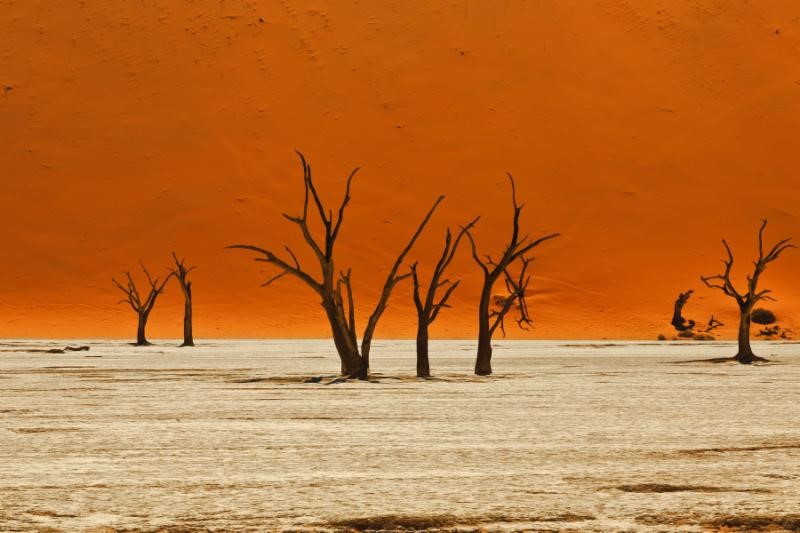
pixel 763 316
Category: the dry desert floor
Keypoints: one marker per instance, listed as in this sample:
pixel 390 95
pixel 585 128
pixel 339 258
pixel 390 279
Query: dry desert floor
pixel 611 436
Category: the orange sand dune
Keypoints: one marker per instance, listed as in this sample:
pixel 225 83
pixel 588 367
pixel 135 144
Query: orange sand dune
pixel 642 130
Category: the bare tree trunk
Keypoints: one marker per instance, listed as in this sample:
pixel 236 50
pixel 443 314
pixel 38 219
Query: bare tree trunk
pixel 483 361
pixel 423 365
pixel 188 339
pixel 351 361
pixel 364 372
pixel 141 339
pixel 745 354
pixel 181 271
pixel 680 323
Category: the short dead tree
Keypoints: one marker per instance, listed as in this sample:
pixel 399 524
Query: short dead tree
pixel 769 331
pixel 678 322
pixel 181 273
pixel 713 324
pixel 427 303
pixel 749 298
pixel 142 307
pixel 515 251
pixel 332 285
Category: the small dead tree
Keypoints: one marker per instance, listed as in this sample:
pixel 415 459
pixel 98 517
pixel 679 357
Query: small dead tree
pixel 748 299
pixel 769 331
pixel 515 253
pixel 142 307
pixel 678 322
pixel 181 273
pixel 713 324
pixel 427 304
pixel 334 286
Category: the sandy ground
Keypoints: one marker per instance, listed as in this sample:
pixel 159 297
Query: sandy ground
pixel 226 437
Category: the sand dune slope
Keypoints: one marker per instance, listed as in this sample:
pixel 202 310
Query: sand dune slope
pixel 643 131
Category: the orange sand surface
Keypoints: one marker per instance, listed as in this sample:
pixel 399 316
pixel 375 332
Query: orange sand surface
pixel 642 130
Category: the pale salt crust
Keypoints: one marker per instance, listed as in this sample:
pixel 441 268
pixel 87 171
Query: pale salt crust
pixel 162 436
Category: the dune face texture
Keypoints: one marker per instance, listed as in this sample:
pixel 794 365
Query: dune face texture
pixel 643 131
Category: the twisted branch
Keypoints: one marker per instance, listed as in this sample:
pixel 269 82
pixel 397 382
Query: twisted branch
pixel 723 281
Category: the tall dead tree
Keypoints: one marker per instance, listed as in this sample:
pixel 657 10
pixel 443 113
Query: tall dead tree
pixel 181 273
pixel 748 299
pixel 678 322
pixel 514 254
pixel 142 307
pixel 428 305
pixel 334 286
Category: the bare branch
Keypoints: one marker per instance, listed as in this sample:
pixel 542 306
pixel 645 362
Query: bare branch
pixel 302 223
pixel 713 324
pixel 342 207
pixel 525 249
pixel 294 258
pixel 723 281
pixel 320 208
pixel 271 258
pixel 416 291
pixel 391 280
pixel 475 255
pixel 430 309
pixel 516 289
pixel 146 273
pixel 274 278
pixel 443 301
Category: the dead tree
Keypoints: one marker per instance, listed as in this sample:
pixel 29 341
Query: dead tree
pixel 428 305
pixel 515 253
pixel 181 272
pixel 142 307
pixel 769 331
pixel 748 299
pixel 713 324
pixel 334 286
pixel 680 323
